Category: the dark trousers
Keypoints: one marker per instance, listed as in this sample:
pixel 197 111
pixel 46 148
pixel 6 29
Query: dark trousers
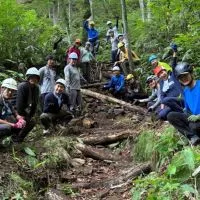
pixel 181 123
pixel 171 104
pixel 114 55
pixel 85 68
pixel 42 97
pixel 135 95
pixel 95 47
pixel 49 119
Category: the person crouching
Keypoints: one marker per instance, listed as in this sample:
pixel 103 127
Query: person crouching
pixel 117 84
pixel 53 102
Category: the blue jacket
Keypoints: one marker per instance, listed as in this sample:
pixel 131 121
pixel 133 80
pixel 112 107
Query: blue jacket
pixel 92 33
pixel 174 90
pixel 51 103
pixel 117 83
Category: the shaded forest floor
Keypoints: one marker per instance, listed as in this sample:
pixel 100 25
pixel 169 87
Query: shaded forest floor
pixel 61 170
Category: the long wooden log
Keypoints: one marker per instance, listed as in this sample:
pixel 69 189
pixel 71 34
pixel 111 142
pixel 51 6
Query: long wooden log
pixel 113 100
pixel 97 154
pixel 123 178
pixel 94 85
pixel 109 138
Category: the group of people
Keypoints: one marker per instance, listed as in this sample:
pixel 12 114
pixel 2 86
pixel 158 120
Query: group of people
pixel 175 94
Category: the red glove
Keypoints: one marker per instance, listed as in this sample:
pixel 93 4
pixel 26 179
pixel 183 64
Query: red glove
pixel 17 125
pixel 22 122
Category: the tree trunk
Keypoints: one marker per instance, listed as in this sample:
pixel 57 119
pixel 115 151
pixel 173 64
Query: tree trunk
pixel 97 154
pixel 110 138
pixel 125 25
pixel 141 2
pixel 69 14
pixel 91 9
pixel 114 100
pixel 148 11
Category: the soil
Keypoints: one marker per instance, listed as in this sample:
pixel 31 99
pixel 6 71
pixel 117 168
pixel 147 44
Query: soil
pixel 91 171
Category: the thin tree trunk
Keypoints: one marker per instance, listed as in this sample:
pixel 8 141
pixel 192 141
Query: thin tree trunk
pixel 141 2
pixel 148 11
pixel 69 14
pixel 91 9
pixel 125 25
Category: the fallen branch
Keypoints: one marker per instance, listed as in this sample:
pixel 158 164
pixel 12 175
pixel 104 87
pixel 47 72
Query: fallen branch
pixel 122 178
pixel 108 138
pixel 97 154
pixel 113 100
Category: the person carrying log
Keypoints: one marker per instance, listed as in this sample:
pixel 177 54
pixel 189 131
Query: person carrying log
pixel 53 113
pixel 116 85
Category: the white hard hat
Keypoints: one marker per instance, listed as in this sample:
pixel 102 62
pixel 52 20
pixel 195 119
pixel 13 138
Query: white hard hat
pixel 109 22
pixel 73 55
pixel 61 81
pixel 9 83
pixel 115 68
pixel 33 71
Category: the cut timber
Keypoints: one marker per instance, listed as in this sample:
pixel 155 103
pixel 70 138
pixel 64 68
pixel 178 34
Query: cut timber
pixel 108 138
pixel 94 85
pixel 113 100
pixel 97 154
pixel 122 178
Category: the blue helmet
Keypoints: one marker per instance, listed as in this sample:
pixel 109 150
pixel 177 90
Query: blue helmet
pixel 152 57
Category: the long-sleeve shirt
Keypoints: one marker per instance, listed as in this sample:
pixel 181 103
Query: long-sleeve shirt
pixel 27 99
pixel 47 79
pixel 75 50
pixel 86 55
pixel 72 77
pixel 92 33
pixel 117 82
pixel 51 104
pixel 124 56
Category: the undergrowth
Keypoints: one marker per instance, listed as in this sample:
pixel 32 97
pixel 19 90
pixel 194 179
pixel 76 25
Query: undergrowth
pixel 176 166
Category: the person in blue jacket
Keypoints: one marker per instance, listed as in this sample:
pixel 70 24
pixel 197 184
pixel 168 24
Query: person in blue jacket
pixel 170 88
pixel 188 122
pixel 117 84
pixel 53 102
pixel 93 35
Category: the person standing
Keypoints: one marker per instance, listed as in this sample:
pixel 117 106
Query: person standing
pixel 114 48
pixel 113 28
pixel 93 35
pixel 27 101
pixel 73 83
pixel 47 78
pixel 53 113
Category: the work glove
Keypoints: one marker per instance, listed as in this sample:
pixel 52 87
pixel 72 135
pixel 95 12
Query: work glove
pixel 194 118
pixel 22 122
pixel 174 47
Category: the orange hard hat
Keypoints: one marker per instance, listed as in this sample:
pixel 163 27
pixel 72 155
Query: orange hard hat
pixel 158 69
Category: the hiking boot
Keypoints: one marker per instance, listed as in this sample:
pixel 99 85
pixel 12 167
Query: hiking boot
pixel 195 140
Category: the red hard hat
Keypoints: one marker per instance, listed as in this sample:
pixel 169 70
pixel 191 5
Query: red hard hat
pixel 157 70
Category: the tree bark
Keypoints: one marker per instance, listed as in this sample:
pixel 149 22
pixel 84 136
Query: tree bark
pixel 126 176
pixel 110 138
pixel 97 154
pixel 141 2
pixel 91 9
pixel 125 25
pixel 94 85
pixel 148 11
pixel 114 100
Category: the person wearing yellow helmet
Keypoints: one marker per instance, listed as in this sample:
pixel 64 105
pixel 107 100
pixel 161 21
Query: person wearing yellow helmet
pixel 123 58
pixel 134 89
pixel 93 35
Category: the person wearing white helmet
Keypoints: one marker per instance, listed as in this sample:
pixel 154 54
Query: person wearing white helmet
pixel 10 121
pixel 113 28
pixel 53 112
pixel 27 101
pixel 48 76
pixel 116 85
pixel 73 82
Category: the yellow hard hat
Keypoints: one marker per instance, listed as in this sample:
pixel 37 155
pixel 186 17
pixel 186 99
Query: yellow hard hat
pixel 91 23
pixel 120 44
pixel 129 76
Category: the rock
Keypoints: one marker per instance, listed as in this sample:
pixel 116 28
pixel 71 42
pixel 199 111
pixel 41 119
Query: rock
pixel 88 170
pixel 119 111
pixel 89 123
pixel 53 194
pixel 77 162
